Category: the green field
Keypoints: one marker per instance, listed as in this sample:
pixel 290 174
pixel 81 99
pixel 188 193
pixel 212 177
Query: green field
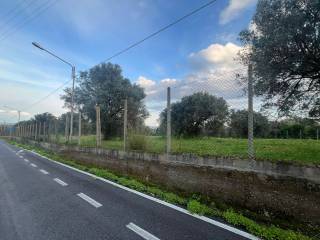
pixel 305 151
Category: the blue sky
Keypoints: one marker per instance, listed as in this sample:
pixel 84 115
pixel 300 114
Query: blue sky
pixel 87 32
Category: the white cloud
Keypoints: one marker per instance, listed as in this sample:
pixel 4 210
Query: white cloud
pixel 234 9
pixel 145 83
pixel 214 70
pixel 168 81
pixel 217 54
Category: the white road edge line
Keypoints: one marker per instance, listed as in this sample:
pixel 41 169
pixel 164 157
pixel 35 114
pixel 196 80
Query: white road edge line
pixel 89 200
pixel 141 232
pixel 33 165
pixel 43 171
pixel 203 218
pixel 62 183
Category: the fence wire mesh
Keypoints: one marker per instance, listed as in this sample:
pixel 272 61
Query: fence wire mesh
pixel 208 116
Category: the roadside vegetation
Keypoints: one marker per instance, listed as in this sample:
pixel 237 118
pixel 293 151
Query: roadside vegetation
pixel 305 151
pixel 195 204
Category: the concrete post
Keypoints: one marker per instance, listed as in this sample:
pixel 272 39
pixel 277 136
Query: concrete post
pixel 40 129
pixel 98 126
pixel 168 148
pixel 79 134
pixel 49 132
pixel 36 132
pixel 56 130
pixel 125 125
pixel 44 131
pixel 250 114
pixel 66 132
pixel 300 133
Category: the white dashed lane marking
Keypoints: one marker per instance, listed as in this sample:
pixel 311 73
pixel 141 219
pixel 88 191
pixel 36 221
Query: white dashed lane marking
pixel 33 165
pixel 62 183
pixel 44 171
pixel 26 160
pixel 141 232
pixel 89 200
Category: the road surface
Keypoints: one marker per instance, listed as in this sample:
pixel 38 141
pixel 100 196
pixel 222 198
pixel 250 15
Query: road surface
pixel 41 199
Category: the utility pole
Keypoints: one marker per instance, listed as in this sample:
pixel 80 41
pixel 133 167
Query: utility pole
pixel 250 114
pixel 72 101
pixel 168 121
pixel 125 123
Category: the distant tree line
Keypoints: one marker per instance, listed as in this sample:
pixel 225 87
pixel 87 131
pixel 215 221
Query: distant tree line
pixel 202 114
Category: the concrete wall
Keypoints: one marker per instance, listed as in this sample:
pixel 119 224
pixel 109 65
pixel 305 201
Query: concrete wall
pixel 279 189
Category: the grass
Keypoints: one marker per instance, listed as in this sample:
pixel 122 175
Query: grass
pixel 193 204
pixel 305 151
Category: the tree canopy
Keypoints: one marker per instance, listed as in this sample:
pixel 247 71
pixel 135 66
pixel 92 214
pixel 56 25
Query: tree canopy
pixel 284 51
pixel 105 85
pixel 194 113
pixel 239 124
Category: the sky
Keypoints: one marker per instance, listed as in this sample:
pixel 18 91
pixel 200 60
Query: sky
pixel 197 54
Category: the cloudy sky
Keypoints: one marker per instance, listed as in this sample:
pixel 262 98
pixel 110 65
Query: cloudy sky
pixel 194 55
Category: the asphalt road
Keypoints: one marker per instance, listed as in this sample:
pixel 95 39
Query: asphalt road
pixel 41 199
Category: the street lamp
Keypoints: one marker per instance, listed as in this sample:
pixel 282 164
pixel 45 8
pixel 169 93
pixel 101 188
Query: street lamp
pixel 73 76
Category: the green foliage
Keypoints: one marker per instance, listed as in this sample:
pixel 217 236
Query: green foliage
pixel 272 232
pixel 195 113
pixel 196 207
pixel 105 85
pixel 285 54
pixel 239 124
pixel 193 205
pixel 137 142
pixel 303 152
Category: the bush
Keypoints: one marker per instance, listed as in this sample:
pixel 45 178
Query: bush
pixel 137 142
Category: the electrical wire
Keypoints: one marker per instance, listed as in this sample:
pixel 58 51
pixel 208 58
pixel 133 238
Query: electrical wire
pixel 160 30
pixel 16 13
pixel 38 11
pixel 137 43
pixel 45 97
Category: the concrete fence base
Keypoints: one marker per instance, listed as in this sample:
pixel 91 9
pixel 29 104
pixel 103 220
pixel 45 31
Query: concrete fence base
pixel 281 190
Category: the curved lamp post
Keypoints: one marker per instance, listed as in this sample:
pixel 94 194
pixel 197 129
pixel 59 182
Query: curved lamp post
pixel 73 75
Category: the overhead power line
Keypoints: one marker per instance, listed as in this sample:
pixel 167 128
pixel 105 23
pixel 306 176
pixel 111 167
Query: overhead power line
pixel 135 44
pixel 37 12
pixel 14 9
pixel 160 30
pixel 45 97
pixel 16 12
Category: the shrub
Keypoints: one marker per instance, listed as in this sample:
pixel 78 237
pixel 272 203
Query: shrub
pixel 137 142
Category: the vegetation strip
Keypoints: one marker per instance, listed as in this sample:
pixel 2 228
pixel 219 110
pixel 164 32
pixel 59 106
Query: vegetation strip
pixel 193 205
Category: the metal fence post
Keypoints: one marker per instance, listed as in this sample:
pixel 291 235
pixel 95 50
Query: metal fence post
pixel 250 114
pixel 317 133
pixel 168 148
pixel 125 123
